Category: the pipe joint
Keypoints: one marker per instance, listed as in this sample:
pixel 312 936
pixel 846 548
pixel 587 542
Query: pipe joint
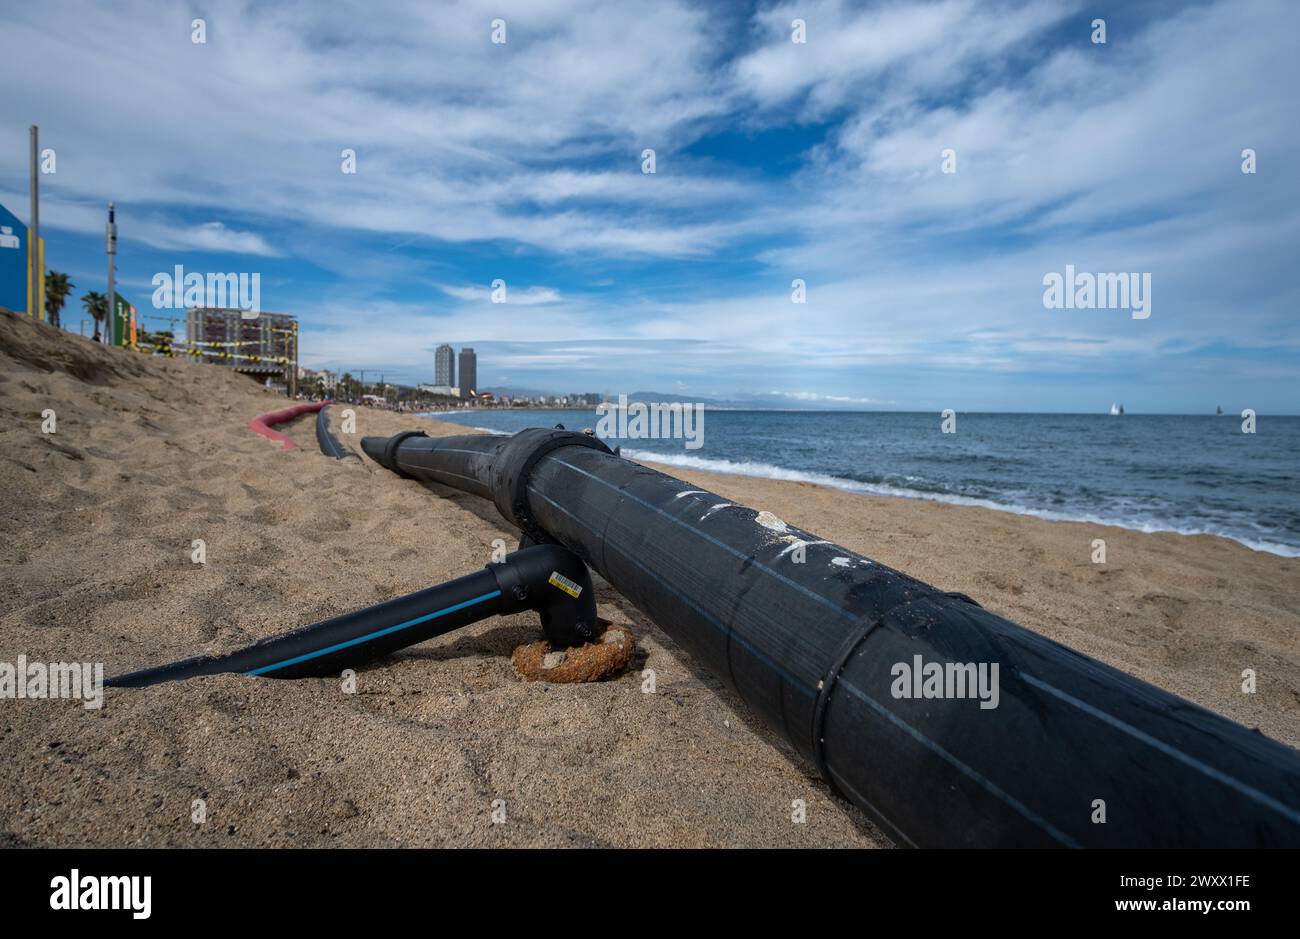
pixel 553 581
pixel 513 466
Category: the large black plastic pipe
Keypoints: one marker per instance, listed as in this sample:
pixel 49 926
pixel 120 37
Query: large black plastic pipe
pixel 815 639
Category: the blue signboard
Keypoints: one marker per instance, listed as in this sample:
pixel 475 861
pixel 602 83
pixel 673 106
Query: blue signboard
pixel 14 269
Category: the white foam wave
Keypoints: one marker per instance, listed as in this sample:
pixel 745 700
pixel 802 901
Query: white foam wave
pixel 769 471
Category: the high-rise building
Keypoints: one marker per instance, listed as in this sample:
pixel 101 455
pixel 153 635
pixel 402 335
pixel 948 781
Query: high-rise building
pixel 265 346
pixel 468 372
pixel 444 366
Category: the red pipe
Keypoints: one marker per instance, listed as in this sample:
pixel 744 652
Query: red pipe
pixel 261 423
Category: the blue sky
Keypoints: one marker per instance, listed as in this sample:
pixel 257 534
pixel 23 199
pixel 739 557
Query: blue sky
pixel 775 161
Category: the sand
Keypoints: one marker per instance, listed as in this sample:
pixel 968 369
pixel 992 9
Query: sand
pixel 443 744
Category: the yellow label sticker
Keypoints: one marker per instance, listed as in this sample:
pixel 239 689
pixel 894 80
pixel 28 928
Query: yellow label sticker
pixel 559 580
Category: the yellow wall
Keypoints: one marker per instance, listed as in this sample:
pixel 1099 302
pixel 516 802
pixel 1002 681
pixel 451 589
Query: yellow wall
pixel 36 309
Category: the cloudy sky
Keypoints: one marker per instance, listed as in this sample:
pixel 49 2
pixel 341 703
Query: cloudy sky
pixel 775 161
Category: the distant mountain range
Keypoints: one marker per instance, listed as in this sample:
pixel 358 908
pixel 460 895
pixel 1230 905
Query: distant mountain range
pixel 746 402
pixel 772 401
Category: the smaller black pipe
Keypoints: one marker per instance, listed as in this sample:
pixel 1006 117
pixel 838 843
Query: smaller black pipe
pixel 325 648
pixel 329 444
pixel 545 578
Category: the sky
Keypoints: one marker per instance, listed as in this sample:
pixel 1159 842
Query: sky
pixel 819 161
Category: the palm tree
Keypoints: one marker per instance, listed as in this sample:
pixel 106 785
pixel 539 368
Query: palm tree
pixel 57 288
pixel 96 305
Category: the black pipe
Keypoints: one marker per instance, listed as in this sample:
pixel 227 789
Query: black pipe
pixel 822 643
pixel 545 578
pixel 329 444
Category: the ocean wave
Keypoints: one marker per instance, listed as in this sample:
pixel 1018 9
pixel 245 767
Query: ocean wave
pixel 770 471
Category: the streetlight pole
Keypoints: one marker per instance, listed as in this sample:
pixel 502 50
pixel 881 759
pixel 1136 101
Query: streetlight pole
pixel 110 246
pixel 34 265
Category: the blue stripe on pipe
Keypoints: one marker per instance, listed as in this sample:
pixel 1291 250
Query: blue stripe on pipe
pixel 1248 791
pixel 375 635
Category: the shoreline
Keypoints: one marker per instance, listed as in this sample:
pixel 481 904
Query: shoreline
pixel 840 484
pixel 723 466
pixel 756 410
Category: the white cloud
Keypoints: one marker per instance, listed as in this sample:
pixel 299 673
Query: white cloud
pixel 456 138
pixel 146 228
pixel 528 296
pixel 911 48
pixel 813 397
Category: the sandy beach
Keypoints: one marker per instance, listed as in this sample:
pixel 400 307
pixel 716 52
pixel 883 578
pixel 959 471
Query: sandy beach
pixel 96 536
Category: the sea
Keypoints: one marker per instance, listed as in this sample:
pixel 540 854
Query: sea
pixel 1188 474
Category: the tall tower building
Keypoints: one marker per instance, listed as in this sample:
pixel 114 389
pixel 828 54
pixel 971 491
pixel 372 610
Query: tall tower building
pixel 444 366
pixel 468 372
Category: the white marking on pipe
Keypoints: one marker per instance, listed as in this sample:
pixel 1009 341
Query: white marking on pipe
pixel 690 492
pixel 720 505
pixel 798 543
pixel 768 520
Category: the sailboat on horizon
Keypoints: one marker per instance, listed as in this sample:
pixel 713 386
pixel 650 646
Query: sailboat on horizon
pixel 1116 410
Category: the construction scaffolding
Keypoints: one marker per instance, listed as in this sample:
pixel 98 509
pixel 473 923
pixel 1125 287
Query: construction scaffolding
pixel 264 345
